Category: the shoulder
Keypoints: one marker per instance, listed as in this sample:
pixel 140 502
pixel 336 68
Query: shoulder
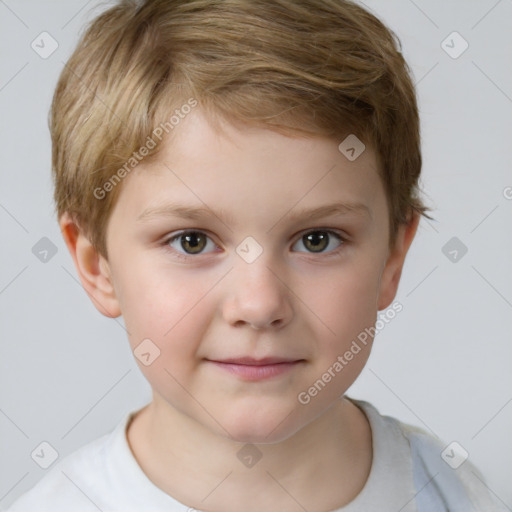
pixel 73 483
pixel 444 478
pixel 445 471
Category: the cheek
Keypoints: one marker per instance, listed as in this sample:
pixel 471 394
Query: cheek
pixel 164 304
pixel 346 310
pixel 345 302
pixel 170 309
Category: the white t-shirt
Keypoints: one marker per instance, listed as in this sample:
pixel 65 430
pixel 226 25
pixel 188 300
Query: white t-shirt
pixel 407 474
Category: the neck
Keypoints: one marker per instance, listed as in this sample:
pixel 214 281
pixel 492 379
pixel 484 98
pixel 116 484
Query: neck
pixel 323 466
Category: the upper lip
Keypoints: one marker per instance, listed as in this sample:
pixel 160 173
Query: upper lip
pixel 256 362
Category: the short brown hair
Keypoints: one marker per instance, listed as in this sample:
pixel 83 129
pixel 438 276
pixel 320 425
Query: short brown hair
pixel 321 67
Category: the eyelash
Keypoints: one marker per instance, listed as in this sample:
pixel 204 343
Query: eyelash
pixel 333 253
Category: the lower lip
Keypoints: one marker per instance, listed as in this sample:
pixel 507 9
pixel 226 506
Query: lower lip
pixel 257 372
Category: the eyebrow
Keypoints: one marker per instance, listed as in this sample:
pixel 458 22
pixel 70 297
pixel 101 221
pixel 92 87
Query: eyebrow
pixel 198 213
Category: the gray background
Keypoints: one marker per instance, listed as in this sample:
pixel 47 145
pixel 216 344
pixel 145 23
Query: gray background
pixel 66 373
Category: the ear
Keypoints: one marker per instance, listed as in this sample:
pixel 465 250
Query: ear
pixel 393 268
pixel 93 269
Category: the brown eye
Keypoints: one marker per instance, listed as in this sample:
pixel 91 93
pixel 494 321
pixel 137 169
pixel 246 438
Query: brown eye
pixel 193 242
pixel 319 240
pixel 189 242
pixel 316 241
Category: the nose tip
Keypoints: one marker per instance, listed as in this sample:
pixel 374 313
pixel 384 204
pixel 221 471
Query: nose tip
pixel 257 298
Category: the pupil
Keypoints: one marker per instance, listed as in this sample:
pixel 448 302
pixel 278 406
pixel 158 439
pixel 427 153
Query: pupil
pixel 318 238
pixel 192 241
pixel 195 241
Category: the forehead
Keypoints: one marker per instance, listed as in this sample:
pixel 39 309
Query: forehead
pixel 249 171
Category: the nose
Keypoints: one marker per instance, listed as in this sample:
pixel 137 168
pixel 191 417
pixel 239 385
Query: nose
pixel 257 297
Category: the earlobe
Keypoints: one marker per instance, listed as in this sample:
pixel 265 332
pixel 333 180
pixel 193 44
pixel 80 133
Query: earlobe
pixel 392 272
pixel 93 269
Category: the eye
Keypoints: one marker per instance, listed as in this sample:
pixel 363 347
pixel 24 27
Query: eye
pixel 317 241
pixel 190 242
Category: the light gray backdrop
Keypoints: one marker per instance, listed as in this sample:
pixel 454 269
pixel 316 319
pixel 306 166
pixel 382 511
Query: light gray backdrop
pixel 67 375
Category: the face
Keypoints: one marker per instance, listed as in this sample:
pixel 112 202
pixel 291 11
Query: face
pixel 215 255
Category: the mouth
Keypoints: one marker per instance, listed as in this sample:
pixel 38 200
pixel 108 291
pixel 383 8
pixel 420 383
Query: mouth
pixel 251 369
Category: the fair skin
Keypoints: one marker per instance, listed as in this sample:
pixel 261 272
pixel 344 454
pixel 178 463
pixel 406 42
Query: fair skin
pixel 301 299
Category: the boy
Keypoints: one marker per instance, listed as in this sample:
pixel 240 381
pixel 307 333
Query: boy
pixel 239 180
